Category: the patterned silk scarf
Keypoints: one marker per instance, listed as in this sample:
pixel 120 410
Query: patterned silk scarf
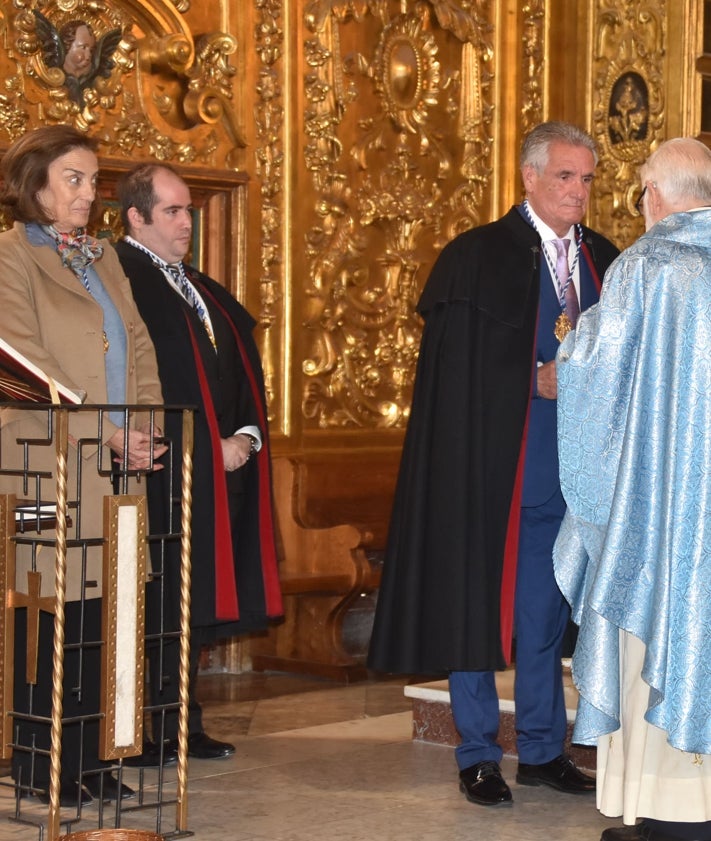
pixel 77 250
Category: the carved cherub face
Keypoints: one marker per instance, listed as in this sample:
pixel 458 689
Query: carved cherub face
pixel 79 55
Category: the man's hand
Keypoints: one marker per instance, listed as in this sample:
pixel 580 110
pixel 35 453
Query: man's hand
pixel 141 449
pixel 547 382
pixel 236 451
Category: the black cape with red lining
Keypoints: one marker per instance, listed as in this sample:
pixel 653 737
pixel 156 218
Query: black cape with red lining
pixel 439 605
pixel 233 396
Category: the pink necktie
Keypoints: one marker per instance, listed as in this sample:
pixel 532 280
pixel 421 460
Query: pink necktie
pixel 562 269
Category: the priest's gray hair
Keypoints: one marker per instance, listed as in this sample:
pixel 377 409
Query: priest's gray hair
pixel 681 170
pixel 536 145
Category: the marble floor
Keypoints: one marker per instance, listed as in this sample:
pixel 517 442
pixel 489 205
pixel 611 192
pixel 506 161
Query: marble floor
pixel 320 761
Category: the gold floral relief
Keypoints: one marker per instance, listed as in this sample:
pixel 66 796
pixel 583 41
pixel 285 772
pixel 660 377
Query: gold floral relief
pixel 397 129
pixel 628 107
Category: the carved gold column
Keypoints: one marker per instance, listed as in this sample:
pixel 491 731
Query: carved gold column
pixel 688 62
pixel 272 161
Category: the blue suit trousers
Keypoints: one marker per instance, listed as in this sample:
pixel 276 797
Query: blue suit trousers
pixel 540 620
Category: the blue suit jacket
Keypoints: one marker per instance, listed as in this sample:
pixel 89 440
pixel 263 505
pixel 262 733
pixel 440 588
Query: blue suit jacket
pixel 541 479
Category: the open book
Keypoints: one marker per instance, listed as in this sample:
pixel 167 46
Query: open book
pixel 22 381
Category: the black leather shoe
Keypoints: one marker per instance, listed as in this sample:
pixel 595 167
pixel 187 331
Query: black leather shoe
pixel 483 784
pixel 559 773
pixel 201 746
pixel 110 788
pixel 623 833
pixel 641 832
pixel 150 757
pixel 69 794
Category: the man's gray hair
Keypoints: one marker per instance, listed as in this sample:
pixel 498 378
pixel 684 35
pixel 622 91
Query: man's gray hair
pixel 681 170
pixel 536 145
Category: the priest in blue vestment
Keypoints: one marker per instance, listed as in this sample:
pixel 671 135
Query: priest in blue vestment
pixel 633 556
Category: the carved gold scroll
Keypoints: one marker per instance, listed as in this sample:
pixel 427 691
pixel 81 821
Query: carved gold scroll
pixel 397 125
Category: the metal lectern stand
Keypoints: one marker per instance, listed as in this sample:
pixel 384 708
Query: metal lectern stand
pixel 75 514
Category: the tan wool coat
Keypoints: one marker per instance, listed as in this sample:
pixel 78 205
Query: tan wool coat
pixel 47 314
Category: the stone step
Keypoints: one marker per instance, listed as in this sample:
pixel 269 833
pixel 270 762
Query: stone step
pixel 432 717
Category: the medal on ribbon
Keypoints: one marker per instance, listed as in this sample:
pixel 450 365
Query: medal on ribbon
pixel 563 278
pixel 563 326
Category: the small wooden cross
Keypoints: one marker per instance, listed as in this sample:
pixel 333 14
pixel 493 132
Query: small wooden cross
pixel 34 604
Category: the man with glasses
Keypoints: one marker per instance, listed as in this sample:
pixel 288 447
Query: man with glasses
pixel 634 553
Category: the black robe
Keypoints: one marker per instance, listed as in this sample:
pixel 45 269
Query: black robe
pixel 232 516
pixel 439 603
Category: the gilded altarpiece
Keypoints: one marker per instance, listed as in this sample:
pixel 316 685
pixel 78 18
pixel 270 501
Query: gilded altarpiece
pixel 397 146
pixel 372 131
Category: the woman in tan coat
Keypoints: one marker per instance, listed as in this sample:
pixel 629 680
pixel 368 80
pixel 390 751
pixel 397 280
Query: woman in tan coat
pixel 66 305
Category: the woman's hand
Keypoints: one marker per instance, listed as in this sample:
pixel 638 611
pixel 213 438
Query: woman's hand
pixel 142 450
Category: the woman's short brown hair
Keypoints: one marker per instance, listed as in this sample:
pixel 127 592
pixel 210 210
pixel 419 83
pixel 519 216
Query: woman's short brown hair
pixel 25 169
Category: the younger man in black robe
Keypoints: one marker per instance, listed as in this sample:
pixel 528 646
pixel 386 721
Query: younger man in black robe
pixel 207 358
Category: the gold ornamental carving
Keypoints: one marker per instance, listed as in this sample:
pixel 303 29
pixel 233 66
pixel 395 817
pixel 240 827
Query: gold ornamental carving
pixel 397 143
pixel 132 72
pixel 534 14
pixel 269 125
pixel 628 107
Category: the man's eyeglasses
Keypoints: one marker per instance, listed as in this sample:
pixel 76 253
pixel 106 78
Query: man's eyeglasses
pixel 638 203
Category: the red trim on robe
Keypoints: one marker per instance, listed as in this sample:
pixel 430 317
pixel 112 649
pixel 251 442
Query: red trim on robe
pixel 269 562
pixel 508 574
pixel 591 266
pixel 226 602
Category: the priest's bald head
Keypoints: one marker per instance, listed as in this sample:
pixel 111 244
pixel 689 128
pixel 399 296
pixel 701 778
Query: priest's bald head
pixel 675 178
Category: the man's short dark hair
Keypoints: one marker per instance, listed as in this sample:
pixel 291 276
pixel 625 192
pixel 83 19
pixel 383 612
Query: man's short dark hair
pixel 135 189
pixel 25 170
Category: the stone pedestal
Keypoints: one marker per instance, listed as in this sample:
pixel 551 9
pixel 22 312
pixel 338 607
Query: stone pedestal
pixel 432 717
